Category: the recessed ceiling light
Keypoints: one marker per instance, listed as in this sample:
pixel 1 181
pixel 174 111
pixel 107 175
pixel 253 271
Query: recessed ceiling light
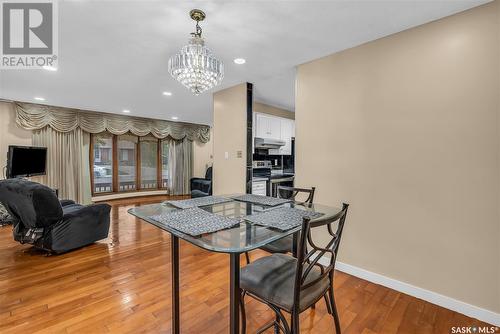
pixel 39 98
pixel 174 117
pixel 50 68
pixel 240 61
pixel 126 111
pixel 167 93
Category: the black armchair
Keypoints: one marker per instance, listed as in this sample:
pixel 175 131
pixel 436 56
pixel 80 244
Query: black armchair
pixel 42 220
pixel 202 187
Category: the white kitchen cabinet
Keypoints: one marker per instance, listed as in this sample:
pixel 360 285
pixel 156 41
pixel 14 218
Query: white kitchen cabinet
pixel 273 127
pixel 254 129
pixel 262 126
pixel 287 132
pixel 267 126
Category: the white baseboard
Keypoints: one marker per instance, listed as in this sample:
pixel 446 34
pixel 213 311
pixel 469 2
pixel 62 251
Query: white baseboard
pixel 429 296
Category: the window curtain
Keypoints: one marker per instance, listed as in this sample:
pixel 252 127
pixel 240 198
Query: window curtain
pixel 180 166
pixel 67 162
pixel 66 134
pixel 35 116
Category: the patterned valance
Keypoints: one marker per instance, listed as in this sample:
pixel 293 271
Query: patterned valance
pixel 35 116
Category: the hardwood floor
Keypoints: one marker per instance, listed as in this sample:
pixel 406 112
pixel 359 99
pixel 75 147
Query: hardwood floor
pixel 122 285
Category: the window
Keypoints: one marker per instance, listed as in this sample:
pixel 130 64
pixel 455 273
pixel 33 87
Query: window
pixel 128 163
pixel 127 158
pixel 124 154
pixel 97 155
pixel 164 163
pixel 103 162
pixel 149 162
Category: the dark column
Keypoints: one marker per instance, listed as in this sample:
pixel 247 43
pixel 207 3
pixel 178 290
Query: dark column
pixel 175 284
pixel 249 154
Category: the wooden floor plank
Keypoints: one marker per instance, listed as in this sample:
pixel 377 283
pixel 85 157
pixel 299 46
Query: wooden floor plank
pixel 122 285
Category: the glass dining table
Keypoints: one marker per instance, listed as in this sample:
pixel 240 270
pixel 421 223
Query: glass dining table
pixel 241 238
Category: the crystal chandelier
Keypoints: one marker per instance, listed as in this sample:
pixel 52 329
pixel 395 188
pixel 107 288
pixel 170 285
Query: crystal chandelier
pixel 195 66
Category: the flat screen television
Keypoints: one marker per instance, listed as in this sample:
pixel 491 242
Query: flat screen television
pixel 23 161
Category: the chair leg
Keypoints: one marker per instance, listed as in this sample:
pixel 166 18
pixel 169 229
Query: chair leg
pixel 265 328
pixel 280 320
pixel 247 256
pixel 243 313
pixel 334 312
pixel 295 322
pixel 328 305
pixel 276 325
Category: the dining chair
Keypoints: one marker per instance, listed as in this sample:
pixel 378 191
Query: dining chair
pixel 285 245
pixel 293 285
pixel 293 192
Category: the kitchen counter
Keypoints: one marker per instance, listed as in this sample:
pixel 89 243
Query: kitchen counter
pixel 275 176
pixel 281 176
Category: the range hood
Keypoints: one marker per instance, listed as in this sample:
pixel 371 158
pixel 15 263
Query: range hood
pixel 268 143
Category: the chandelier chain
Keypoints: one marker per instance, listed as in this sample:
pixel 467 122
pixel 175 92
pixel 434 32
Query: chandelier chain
pixel 198 31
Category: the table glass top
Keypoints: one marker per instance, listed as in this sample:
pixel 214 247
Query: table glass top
pixel 241 238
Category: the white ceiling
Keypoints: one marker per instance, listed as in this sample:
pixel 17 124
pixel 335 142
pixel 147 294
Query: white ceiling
pixel 113 54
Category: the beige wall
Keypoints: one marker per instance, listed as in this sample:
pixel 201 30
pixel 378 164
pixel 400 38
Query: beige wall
pixel 406 130
pixel 267 109
pixel 230 135
pixel 10 133
pixel 202 156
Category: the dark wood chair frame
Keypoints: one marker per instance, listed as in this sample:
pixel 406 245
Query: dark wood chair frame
pixel 306 261
pixel 294 192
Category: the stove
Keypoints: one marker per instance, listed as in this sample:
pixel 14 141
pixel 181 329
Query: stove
pixel 261 184
pixel 262 168
pixel 258 164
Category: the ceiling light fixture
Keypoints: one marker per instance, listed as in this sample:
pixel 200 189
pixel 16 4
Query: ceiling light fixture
pixel 167 93
pixel 174 117
pixel 39 98
pixel 240 61
pixel 126 111
pixel 49 68
pixel 195 66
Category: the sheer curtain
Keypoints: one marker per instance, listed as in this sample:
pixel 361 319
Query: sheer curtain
pixel 67 162
pixel 180 166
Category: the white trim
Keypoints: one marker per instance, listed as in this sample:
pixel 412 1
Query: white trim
pixel 427 295
pixel 128 194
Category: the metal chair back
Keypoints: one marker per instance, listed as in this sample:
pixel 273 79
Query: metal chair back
pixel 292 192
pixel 308 259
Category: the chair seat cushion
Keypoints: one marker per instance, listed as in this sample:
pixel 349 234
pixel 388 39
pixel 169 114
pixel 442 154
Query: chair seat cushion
pixel 283 245
pixel 272 279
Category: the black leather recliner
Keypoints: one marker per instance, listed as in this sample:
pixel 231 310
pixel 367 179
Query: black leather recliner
pixel 202 187
pixel 42 220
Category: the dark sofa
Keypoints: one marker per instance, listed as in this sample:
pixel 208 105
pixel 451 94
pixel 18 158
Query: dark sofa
pixel 40 219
